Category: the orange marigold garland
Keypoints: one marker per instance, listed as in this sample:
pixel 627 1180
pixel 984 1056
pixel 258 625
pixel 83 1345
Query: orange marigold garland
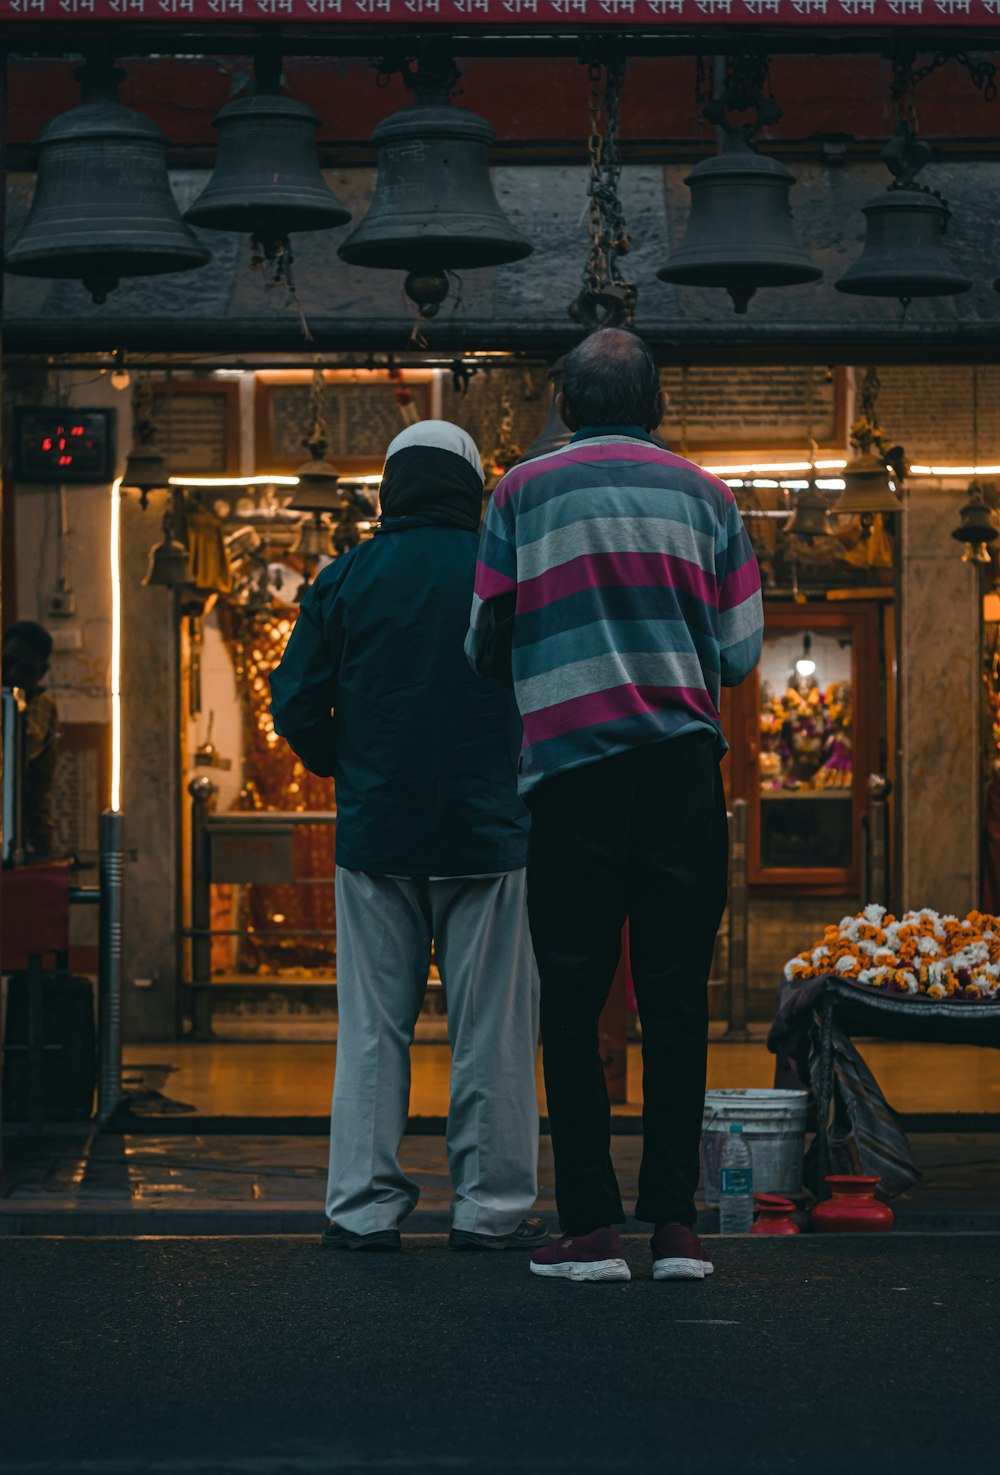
pixel 920 953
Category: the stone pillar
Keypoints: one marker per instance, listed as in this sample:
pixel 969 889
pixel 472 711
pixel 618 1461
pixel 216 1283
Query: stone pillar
pixel 940 696
pixel 150 801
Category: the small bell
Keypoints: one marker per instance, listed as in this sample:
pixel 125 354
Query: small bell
pixel 555 433
pixel 977 529
pixel 868 488
pixel 103 208
pixel 318 489
pixel 811 516
pixel 146 467
pixel 739 234
pixel 168 564
pixel 145 472
pixel 267 182
pixel 434 209
pixel 904 254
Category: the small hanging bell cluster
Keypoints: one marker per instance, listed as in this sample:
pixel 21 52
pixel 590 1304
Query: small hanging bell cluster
pixel 267 183
pixel 739 234
pixel 977 530
pixel 434 210
pixel 103 208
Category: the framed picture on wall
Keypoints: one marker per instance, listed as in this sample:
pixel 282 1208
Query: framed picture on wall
pixel 198 425
pixel 364 409
pixel 768 407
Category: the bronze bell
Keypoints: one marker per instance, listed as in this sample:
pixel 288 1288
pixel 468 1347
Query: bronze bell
pixel 868 488
pixel 555 433
pixel 904 254
pixel 434 209
pixel 977 529
pixel 267 182
pixel 169 566
pixel 739 234
pixel 103 208
pixel 811 516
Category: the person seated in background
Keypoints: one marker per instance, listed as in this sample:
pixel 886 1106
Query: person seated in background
pixel 27 647
pixel 374 689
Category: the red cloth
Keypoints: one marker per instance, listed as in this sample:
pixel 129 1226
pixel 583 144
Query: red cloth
pixel 34 912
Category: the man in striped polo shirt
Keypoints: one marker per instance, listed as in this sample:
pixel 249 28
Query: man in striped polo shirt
pixel 617 591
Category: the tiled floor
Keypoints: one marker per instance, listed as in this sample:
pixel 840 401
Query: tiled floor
pixel 295 1079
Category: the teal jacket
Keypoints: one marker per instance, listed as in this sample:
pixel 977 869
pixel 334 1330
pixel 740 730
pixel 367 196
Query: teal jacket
pixel 374 689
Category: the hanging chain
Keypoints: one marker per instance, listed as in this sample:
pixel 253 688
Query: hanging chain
pixel 866 431
pixel 315 441
pixel 606 300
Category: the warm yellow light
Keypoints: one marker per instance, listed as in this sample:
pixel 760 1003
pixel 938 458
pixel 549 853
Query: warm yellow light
pixel 233 481
pixel 116 646
pixel 955 470
pixel 766 466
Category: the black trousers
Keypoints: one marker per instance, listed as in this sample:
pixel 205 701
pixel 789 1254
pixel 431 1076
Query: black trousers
pixel 641 835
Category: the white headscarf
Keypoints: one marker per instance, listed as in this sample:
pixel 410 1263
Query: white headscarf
pixel 440 435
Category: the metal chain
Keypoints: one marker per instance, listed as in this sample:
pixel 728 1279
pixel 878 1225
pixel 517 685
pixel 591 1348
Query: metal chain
pixel 315 441
pixel 906 76
pixel 606 299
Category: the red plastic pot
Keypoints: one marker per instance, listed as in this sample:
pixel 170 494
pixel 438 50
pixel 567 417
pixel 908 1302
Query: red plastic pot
pixel 774 1215
pixel 852 1208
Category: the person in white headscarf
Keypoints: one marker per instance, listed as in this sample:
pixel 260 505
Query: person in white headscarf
pixel 374 689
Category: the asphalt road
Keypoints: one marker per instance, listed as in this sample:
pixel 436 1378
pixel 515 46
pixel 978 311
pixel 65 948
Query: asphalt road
pixel 271 1357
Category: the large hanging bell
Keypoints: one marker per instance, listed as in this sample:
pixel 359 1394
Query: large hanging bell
pixel 434 209
pixel 904 254
pixel 868 488
pixel 739 234
pixel 103 208
pixel 267 182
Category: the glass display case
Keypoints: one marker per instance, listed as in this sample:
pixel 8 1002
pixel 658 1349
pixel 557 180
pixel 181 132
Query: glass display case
pixel 810 721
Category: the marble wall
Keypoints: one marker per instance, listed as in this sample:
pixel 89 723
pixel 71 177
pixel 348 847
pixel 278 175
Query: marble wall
pixel 939 798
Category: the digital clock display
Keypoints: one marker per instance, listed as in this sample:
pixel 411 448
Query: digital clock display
pixel 55 444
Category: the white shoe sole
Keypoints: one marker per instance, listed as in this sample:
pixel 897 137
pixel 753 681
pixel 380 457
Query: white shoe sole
pixel 682 1269
pixel 585 1270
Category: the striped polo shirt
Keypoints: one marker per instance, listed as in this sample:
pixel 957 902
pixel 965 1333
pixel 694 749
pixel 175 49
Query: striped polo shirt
pixel 635 591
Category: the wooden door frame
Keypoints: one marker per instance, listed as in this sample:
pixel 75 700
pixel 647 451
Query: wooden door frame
pixel 862 618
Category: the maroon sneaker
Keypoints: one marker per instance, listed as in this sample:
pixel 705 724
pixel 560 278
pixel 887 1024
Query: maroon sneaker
pixel 678 1254
pixel 594 1256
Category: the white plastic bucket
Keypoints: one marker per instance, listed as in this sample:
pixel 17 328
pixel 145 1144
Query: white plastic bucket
pixel 774 1127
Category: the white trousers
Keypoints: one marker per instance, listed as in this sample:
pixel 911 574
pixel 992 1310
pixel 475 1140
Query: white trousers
pixel 385 926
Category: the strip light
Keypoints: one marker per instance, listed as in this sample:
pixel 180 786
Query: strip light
pixel 116 646
pixel 764 467
pixel 233 481
pixel 955 470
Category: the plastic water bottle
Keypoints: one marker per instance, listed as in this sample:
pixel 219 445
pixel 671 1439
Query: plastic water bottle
pixel 736 1184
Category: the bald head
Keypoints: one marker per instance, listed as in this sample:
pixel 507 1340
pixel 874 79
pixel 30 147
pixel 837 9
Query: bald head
pixel 611 379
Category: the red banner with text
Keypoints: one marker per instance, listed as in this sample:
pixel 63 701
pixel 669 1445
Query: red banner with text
pixel 647 14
